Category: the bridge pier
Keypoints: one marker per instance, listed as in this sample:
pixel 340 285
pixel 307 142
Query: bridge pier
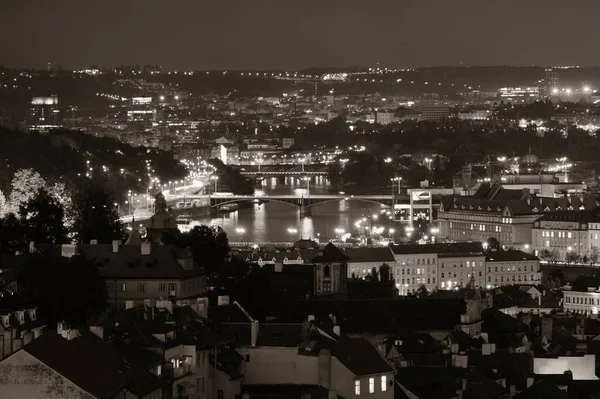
pixel 305 211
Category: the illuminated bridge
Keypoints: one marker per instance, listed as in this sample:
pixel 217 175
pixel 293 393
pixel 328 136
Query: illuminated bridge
pixel 270 173
pixel 414 201
pixel 410 201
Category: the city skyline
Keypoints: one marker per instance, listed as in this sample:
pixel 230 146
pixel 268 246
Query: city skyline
pixel 272 35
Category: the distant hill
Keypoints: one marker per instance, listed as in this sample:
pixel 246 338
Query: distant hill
pixel 67 156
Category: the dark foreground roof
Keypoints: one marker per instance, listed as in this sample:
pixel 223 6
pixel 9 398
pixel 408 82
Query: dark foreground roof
pixel 360 357
pixel 92 365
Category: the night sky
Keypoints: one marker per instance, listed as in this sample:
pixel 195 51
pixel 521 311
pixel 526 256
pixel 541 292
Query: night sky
pixel 286 34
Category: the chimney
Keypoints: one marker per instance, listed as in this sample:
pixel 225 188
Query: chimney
pixel 60 327
pixel 20 316
pixel 336 330
pixel 98 331
pixel 71 334
pixel 278 267
pixel 311 317
pixel 529 381
pixel 116 245
pixel 146 248
pixel 93 242
pixel 253 332
pixel 32 249
pixel 223 300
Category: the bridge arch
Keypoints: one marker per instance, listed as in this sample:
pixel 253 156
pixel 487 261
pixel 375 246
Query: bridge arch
pixel 323 201
pixel 293 202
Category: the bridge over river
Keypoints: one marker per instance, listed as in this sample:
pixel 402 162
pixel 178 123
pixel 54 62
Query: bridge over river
pixel 413 200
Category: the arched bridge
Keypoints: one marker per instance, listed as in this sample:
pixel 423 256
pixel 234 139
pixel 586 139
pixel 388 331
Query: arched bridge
pixel 303 202
pixel 266 173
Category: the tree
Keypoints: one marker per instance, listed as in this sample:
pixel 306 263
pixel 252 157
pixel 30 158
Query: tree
pixel 94 216
pixel 42 219
pixel 438 172
pixel 595 254
pixel 374 276
pixel 25 184
pixel 64 289
pixel 554 256
pixel 571 257
pixel 209 246
pixel 422 291
pixel 493 244
pixel 65 198
pixel 546 255
pixel 385 273
pixel 12 237
pixel 554 280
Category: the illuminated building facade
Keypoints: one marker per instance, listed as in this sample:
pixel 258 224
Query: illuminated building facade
pixel 519 94
pixel 44 114
pixel 511 267
pixel 443 266
pixel 569 230
pixel 434 112
pixel 550 82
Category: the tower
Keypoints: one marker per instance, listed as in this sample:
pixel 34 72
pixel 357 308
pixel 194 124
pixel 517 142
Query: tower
pixel 550 82
pixel 331 272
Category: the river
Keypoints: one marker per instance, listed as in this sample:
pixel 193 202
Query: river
pixel 270 222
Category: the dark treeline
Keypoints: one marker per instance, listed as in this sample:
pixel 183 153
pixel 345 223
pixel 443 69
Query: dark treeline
pixel 63 156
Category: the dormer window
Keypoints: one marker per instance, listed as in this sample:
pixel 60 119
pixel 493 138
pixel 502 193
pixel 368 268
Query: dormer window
pixel 535 209
pixel 547 209
pixel 327 272
pixel 479 208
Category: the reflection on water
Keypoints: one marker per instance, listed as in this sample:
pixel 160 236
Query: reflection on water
pixel 270 222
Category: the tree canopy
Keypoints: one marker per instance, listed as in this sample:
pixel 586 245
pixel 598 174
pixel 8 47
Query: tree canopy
pixel 95 216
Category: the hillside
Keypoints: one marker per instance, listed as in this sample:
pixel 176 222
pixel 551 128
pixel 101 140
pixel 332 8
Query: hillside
pixel 69 155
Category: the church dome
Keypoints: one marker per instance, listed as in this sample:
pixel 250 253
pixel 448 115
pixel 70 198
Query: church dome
pixel 529 159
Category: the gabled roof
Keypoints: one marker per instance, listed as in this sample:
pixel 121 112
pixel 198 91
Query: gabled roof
pixel 331 253
pixel 128 262
pixel 582 283
pixel 360 357
pixel 92 365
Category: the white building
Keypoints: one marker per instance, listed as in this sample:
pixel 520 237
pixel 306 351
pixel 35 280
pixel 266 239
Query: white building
pixel 438 266
pixel 511 267
pixel 583 296
pixel 567 231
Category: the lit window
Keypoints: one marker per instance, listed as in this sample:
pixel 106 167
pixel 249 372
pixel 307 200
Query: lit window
pixel 371 385
pixel 357 387
pixel 383 383
pixel 569 235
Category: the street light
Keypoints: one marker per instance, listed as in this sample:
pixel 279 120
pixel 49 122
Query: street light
pixel 339 231
pixel 240 231
pixel 215 178
pixel 292 231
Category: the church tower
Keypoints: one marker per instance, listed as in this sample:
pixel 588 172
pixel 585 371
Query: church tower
pixel 331 272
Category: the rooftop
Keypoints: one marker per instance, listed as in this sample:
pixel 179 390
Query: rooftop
pixel 92 365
